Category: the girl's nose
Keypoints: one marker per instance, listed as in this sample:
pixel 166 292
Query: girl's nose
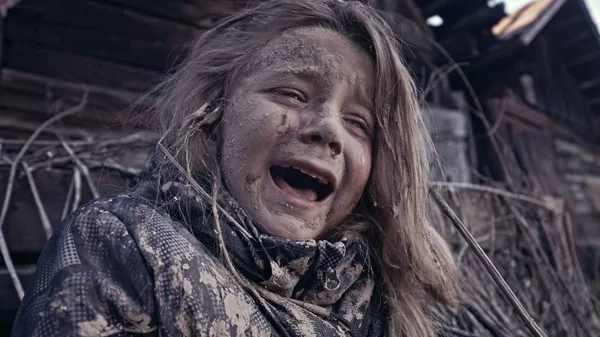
pixel 323 130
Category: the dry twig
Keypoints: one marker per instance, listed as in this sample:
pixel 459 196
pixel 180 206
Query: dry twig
pixel 38 201
pixel 504 287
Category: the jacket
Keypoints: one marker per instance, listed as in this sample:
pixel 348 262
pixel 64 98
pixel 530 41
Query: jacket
pixel 151 263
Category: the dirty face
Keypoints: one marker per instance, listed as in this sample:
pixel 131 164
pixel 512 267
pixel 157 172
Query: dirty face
pixel 298 131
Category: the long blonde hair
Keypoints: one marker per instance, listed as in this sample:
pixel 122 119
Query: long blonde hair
pixel 413 263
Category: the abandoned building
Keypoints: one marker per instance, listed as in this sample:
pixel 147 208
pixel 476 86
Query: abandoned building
pixel 512 102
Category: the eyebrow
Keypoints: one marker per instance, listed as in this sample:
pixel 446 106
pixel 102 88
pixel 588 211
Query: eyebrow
pixel 306 72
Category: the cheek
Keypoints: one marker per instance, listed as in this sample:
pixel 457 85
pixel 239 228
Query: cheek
pixel 363 169
pixel 252 128
pixel 361 163
pixel 358 171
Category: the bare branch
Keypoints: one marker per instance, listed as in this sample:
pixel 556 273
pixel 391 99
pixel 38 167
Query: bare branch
pixel 38 201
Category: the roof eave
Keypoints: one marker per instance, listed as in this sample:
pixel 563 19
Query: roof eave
pixel 538 25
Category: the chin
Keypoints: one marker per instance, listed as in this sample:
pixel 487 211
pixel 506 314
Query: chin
pixel 287 226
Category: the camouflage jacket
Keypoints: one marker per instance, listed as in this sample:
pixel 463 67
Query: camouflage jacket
pixel 127 265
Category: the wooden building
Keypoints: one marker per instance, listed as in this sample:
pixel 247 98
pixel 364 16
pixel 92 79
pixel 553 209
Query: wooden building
pixel 534 75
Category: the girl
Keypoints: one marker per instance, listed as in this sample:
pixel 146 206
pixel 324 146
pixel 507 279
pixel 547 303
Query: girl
pixel 287 196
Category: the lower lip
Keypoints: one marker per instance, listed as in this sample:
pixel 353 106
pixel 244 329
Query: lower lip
pixel 296 200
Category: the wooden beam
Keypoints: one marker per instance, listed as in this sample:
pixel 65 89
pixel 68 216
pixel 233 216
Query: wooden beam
pixel 437 6
pixel 479 18
pixel 590 84
pixel 592 93
pixel 76 68
pixel 14 122
pixel 123 48
pixel 542 20
pixel 562 24
pixel 594 102
pixel 1 39
pixel 576 39
pixel 589 72
pixel 200 13
pixel 37 84
pixel 28 96
pixel 108 19
pixel 583 59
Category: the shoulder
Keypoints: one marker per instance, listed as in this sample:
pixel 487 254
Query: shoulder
pixel 189 280
pixel 91 269
pixel 105 223
pixel 162 241
pixel 96 237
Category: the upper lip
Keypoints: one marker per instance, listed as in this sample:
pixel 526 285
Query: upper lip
pixel 312 168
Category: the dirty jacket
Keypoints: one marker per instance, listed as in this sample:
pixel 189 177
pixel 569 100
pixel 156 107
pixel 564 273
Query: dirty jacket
pixel 150 263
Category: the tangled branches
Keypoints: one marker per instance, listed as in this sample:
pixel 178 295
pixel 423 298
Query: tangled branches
pixel 532 247
pixel 81 156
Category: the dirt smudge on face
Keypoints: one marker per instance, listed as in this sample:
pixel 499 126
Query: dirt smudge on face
pixel 293 54
pixel 284 126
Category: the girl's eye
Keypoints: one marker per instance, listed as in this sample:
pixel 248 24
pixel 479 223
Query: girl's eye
pixel 291 93
pixel 361 124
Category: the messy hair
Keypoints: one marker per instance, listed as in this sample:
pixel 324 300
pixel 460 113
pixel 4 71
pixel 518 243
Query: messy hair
pixel 415 267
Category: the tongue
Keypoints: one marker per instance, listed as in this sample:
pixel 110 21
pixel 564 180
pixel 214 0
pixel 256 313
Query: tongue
pixel 307 193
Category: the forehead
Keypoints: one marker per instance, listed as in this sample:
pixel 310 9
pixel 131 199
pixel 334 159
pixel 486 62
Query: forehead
pixel 315 49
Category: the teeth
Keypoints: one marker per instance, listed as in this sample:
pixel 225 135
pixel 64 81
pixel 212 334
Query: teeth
pixel 321 179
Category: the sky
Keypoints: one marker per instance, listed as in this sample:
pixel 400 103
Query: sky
pixel 593 6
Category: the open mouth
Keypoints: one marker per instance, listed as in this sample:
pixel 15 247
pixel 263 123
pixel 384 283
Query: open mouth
pixel 301 183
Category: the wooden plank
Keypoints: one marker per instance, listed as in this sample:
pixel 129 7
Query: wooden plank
pixel 107 18
pixel 592 93
pixel 585 74
pixel 76 68
pixel 583 59
pixel 567 32
pixel 559 25
pixel 20 29
pixel 1 38
pixel 527 135
pixel 484 17
pixel 525 114
pixel 578 38
pixel 10 300
pixel 37 107
pixel 436 7
pixel 590 84
pixel 576 51
pixel 462 46
pixel 594 102
pixel 51 87
pixel 201 14
pixel 28 94
pixel 17 100
pixel 19 125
